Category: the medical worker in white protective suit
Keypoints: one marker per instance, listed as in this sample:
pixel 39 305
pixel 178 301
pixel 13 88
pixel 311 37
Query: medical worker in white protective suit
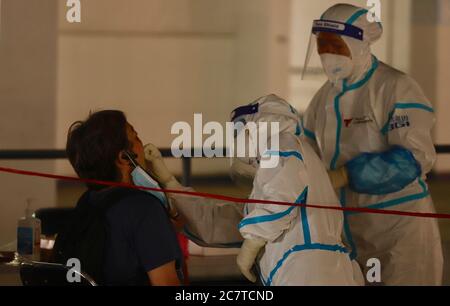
pixel 215 223
pixel 372 126
pixel 297 245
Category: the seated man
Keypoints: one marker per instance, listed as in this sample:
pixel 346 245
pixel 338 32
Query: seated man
pixel 121 236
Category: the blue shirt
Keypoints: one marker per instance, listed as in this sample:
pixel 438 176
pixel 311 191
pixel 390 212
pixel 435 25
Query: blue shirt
pixel 140 238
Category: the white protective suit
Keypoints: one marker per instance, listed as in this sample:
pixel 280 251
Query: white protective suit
pixel 377 124
pixel 209 222
pixel 303 246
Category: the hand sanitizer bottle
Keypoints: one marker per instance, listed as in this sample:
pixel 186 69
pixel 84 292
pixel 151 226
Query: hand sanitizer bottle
pixel 29 235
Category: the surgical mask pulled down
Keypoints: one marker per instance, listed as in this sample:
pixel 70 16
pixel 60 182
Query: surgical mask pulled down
pixel 142 179
pixel 337 67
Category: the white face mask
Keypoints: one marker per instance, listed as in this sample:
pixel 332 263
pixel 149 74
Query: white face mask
pixel 337 67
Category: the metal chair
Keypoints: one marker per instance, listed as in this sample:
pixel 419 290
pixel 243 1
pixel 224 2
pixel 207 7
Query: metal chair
pixel 50 274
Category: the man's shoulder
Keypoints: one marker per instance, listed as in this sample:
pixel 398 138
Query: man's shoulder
pixel 135 204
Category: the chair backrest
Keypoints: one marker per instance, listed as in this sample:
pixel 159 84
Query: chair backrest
pixel 50 274
pixel 53 220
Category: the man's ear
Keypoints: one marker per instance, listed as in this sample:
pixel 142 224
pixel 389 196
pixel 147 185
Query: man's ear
pixel 122 159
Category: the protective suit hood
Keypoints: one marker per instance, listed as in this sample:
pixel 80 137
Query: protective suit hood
pixel 268 109
pixel 358 34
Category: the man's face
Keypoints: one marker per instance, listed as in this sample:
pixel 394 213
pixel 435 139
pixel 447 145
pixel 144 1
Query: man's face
pixel 136 145
pixel 332 43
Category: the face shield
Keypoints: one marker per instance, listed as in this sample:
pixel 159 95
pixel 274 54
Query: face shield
pixel 328 52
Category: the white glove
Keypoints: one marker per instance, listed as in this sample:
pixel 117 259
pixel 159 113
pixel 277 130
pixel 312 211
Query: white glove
pixel 338 178
pixel 247 256
pixel 158 168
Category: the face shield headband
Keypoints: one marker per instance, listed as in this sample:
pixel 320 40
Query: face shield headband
pixel 239 113
pixel 244 111
pixel 339 28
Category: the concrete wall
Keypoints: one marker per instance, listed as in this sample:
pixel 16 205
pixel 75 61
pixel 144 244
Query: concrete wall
pixel 161 61
pixel 28 52
pixel 442 96
pixel 430 65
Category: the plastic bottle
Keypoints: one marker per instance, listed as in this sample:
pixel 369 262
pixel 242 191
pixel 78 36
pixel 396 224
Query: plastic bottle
pixel 29 235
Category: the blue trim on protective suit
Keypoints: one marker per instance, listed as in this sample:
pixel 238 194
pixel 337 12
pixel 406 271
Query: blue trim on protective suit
pixel 337 110
pixel 263 281
pixel 308 133
pixel 363 81
pixel 265 219
pixel 302 199
pixel 420 106
pixel 399 201
pixel 308 245
pixel 304 247
pixel 352 18
pixel 298 130
pixel 356 15
pixel 277 216
pixel 338 130
pixel 285 154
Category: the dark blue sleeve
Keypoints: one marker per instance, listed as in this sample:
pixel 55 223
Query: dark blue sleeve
pixel 383 173
pixel 155 239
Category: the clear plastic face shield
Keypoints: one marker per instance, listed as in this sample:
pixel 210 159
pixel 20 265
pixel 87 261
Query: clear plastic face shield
pixel 328 52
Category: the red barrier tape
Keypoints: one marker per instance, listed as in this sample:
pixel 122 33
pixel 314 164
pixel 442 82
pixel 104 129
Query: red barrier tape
pixel 226 198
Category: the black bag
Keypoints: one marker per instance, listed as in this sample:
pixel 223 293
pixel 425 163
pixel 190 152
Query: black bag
pixel 85 236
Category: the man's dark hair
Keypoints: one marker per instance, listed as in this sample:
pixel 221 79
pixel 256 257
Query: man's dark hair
pixel 93 146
